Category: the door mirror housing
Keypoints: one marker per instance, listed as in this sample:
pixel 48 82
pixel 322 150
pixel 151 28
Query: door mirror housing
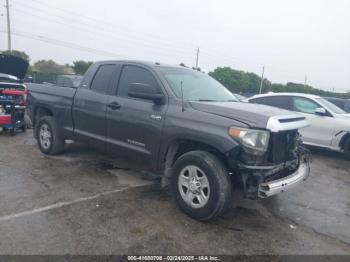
pixel 145 91
pixel 320 111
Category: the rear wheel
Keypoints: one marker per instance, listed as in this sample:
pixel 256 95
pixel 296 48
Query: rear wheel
pixel 24 128
pixel 50 137
pixel 347 148
pixel 201 185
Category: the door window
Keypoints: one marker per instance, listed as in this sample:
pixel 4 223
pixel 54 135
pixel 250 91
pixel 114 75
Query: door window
pixel 134 75
pixel 304 105
pixel 103 78
pixel 283 102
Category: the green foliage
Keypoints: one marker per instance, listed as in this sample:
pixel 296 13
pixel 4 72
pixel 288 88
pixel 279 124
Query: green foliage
pixel 81 66
pixel 48 70
pixel 249 83
pixel 17 53
pixel 239 81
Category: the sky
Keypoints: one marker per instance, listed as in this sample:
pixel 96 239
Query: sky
pixel 290 38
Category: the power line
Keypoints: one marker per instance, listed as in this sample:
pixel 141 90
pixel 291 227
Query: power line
pixel 99 21
pixel 88 27
pixel 215 55
pixel 65 44
pixel 107 35
pixel 170 43
pixel 96 24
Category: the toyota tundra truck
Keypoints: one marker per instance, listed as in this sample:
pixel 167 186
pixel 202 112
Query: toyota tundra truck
pixel 180 124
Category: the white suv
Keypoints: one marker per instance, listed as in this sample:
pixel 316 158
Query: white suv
pixel 329 125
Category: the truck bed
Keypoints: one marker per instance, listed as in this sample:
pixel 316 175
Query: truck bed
pixel 58 99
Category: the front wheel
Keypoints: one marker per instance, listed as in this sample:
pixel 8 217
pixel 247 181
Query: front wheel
pixel 49 136
pixel 201 185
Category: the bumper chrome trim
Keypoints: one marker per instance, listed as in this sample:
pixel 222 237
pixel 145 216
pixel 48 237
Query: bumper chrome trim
pixel 275 187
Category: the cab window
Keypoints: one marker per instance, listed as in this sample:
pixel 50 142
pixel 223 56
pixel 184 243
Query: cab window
pixel 103 78
pixel 135 75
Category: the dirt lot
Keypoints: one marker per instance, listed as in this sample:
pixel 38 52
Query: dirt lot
pixel 84 203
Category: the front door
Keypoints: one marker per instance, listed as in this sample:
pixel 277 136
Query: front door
pixel 321 128
pixel 135 125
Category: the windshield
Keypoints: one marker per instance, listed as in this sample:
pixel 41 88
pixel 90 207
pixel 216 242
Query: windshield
pixel 196 86
pixel 332 107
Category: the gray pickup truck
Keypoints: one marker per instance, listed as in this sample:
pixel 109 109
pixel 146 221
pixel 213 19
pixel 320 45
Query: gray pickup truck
pixel 178 123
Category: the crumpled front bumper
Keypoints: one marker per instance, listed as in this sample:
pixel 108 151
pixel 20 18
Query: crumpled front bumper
pixel 267 189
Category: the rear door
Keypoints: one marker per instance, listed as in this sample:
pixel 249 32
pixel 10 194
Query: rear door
pixel 135 125
pixel 90 106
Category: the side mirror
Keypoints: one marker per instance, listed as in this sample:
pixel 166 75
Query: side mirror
pixel 320 111
pixel 145 91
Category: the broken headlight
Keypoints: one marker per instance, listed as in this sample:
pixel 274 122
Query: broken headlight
pixel 256 141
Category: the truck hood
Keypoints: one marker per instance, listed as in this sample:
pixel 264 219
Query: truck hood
pixel 13 65
pixel 254 115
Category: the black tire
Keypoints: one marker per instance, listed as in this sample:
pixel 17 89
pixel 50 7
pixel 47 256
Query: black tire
pixel 219 184
pixel 56 139
pixel 347 149
pixel 12 132
pixel 24 128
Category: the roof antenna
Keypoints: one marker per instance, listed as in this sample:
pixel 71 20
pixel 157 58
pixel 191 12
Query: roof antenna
pixel 182 98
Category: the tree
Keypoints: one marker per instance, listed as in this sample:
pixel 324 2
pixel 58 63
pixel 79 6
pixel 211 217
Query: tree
pixel 48 70
pixel 249 83
pixel 239 81
pixel 80 67
pixel 17 53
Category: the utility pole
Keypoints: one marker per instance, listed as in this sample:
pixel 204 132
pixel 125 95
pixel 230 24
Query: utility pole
pixel 305 81
pixel 262 79
pixel 8 26
pixel 197 58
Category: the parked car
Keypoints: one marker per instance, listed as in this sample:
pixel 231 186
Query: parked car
pixel 13 93
pixel 178 123
pixel 339 102
pixel 329 124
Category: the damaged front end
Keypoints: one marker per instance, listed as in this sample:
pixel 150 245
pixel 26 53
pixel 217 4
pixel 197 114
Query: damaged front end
pixel 284 165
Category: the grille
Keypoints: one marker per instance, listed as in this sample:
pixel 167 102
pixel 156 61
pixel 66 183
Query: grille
pixel 283 146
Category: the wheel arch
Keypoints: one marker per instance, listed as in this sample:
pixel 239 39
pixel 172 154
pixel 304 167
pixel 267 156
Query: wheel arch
pixel 345 138
pixel 39 112
pixel 180 146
